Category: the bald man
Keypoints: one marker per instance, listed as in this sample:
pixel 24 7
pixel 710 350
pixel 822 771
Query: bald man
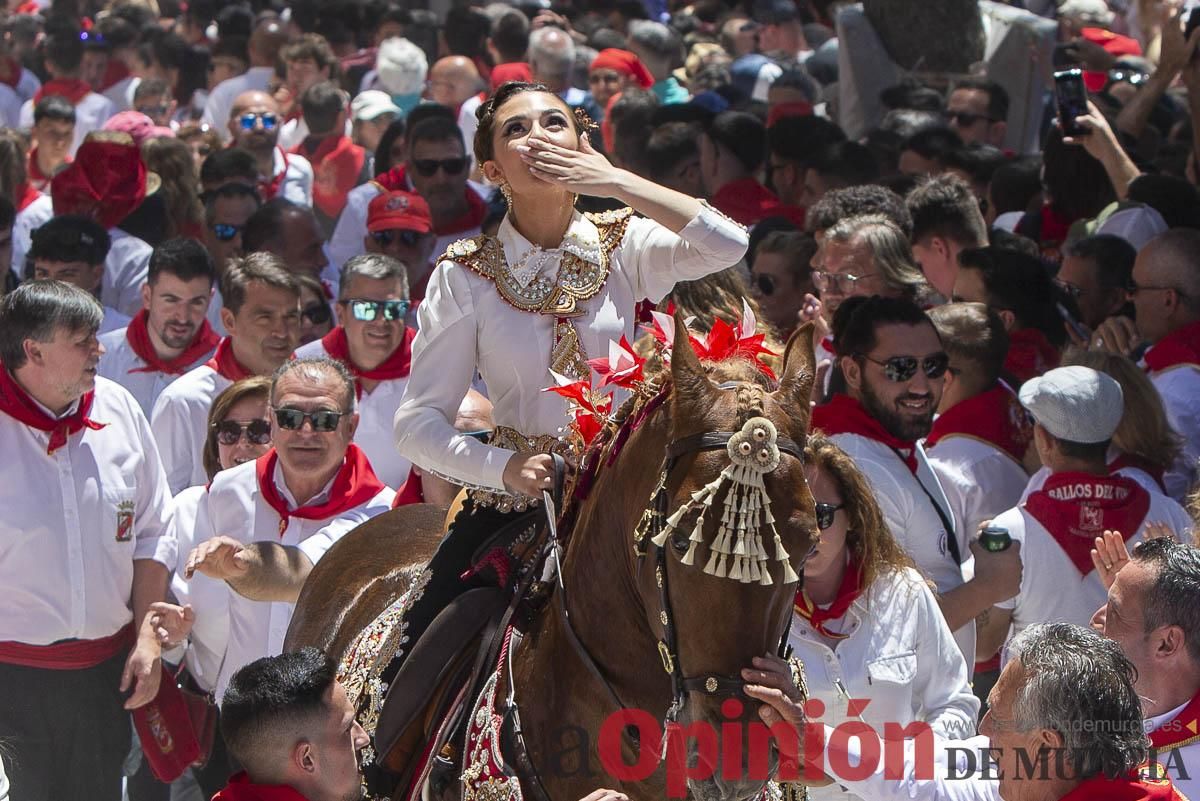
pixel 253 125
pixel 454 82
pixel 268 37
pixel 551 58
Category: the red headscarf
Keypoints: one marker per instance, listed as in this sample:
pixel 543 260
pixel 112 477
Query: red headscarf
pixel 625 63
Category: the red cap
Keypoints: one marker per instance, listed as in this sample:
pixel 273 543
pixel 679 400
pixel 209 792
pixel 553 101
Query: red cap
pixel 403 210
pixel 106 182
pixel 625 63
pixel 512 71
pixel 164 728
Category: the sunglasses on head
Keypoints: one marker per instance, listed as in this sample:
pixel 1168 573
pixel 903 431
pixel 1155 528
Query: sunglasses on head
pixel 902 368
pixel 429 167
pixel 765 283
pixel 229 432
pixel 323 420
pixel 826 512
pixel 225 232
pixel 407 238
pixel 317 314
pixel 366 311
pixel 267 118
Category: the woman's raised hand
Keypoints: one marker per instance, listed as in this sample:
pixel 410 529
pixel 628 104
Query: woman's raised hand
pixel 583 171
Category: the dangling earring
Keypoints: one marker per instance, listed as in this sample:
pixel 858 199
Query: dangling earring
pixel 506 190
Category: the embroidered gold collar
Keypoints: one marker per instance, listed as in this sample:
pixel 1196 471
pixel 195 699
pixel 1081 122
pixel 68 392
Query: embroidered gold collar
pixel 578 279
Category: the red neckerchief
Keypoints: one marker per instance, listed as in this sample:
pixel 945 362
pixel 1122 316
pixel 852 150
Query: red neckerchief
pixel 1183 729
pixel 28 194
pixel 410 491
pixel 1124 788
pixel 1053 228
pixel 471 220
pixel 114 73
pixel 749 202
pixel 393 180
pixel 1078 507
pixel 337 162
pixel 994 416
pixel 1030 354
pixel 240 788
pixel 225 363
pixel 36 177
pixel 268 189
pixel 827 344
pixel 1181 346
pixel 354 485
pixel 72 89
pixel 394 366
pixel 16 403
pixel 1128 460
pixel 138 335
pixel 10 72
pixel 850 589
pixel 845 415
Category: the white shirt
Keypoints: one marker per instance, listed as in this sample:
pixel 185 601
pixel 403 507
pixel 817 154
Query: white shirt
pixel 234 507
pixel 35 215
pixel 125 272
pixel 913 519
pixel 1179 387
pixel 465 325
pixel 90 115
pixel 119 360
pixel 113 320
pixel 180 424
pixel 899 655
pixel 1182 761
pixel 28 85
pixel 120 94
pixel 10 106
pixel 375 412
pixel 73 522
pixel 208 596
pixel 1052 589
pixel 220 99
pixel 979 479
pixel 297 185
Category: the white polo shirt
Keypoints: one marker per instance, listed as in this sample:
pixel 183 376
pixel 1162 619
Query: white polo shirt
pixel 73 522
pixel 125 272
pixel 180 424
pixel 119 360
pixel 376 409
pixel 913 519
pixel 979 479
pixel 234 507
pixel 90 115
pixel 208 596
pixel 1179 387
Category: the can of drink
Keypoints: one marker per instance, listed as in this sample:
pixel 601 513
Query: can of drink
pixel 995 539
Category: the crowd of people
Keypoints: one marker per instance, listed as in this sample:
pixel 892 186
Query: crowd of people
pixel 271 269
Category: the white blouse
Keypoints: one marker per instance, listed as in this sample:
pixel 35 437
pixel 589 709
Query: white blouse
pixel 466 325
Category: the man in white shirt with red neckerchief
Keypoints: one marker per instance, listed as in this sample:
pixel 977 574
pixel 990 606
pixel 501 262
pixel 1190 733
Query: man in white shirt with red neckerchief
pixel 374 343
pixel 83 522
pixel 64 57
pixel 266 523
pixel 262 316
pixel 894 364
pixel 1075 411
pixel 268 37
pixel 399 225
pixel 254 122
pixel 170 336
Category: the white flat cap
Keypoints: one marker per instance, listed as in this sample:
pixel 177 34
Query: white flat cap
pixel 1077 404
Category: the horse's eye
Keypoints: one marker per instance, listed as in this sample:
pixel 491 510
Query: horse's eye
pixel 679 541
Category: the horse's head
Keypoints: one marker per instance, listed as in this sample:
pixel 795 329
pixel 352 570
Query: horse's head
pixel 724 543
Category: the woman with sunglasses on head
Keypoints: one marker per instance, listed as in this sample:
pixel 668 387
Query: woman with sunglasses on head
pixel 866 624
pixel 316 314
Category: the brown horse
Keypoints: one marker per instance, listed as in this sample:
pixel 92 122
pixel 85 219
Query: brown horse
pixel 615 598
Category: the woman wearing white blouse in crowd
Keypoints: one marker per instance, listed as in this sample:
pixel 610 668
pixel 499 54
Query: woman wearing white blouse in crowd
pixel 866 625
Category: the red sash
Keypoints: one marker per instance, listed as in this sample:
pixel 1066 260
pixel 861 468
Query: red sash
pixel 1181 346
pixel 138 336
pixel 1124 788
pixel 240 788
pixel 72 89
pixel 165 731
pixel 994 416
pixel 1181 730
pixel 354 485
pixel 225 363
pixel 16 403
pixel 850 589
pixel 70 654
pixel 270 188
pixel 410 491
pixel 844 415
pixel 1077 507
pixel 1128 460
pixel 337 162
pixel 395 366
pixel 1030 354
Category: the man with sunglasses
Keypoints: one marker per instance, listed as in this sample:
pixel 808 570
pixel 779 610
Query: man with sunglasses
pixel 978 110
pixel 264 524
pixel 375 345
pixel 262 315
pixel 399 225
pixel 267 39
pixel 437 169
pixel 254 123
pixel 226 210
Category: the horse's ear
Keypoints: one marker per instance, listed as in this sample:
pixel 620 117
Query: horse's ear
pixel 799 373
pixel 691 382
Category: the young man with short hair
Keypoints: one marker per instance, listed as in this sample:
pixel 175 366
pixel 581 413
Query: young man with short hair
pixel 73 249
pixel 52 136
pixel 64 58
pixel 946 221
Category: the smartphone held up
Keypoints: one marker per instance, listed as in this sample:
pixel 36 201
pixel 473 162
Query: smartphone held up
pixel 1071 97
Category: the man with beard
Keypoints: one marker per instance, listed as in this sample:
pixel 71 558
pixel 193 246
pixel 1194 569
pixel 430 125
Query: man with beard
pixel 262 316
pixel 171 335
pixel 894 366
pixel 437 168
pixel 254 123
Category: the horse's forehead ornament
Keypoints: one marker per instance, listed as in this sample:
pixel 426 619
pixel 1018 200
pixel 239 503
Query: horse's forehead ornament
pixel 737 553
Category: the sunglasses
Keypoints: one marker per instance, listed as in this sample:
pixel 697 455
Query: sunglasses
pixel 267 118
pixel 317 314
pixel 903 368
pixel 841 283
pixel 429 167
pixel 225 232
pixel 407 238
pixel 229 432
pixel 154 111
pixel 1069 289
pixel 966 119
pixel 323 421
pixel 826 512
pixel 366 311
pixel 765 283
